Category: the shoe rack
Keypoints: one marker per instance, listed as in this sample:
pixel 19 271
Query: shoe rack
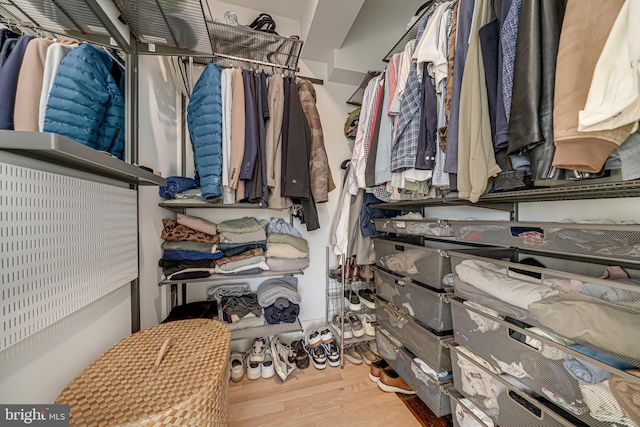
pixel 336 304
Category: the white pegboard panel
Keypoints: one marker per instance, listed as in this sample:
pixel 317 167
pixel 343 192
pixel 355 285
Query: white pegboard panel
pixel 64 243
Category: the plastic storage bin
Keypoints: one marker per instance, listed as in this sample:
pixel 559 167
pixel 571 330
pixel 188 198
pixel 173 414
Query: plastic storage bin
pixel 388 346
pixel 506 405
pixel 461 412
pixel 423 342
pixel 551 370
pixel 426 264
pixel 424 304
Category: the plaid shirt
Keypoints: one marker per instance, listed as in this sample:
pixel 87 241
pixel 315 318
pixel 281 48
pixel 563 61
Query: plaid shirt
pixel 405 147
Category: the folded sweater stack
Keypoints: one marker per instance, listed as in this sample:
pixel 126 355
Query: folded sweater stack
pixel 243 242
pixel 286 249
pixel 280 299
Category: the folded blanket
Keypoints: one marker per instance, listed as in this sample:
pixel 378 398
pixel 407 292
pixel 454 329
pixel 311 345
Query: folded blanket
pixel 217 292
pixel 603 405
pixel 287 264
pixel 281 303
pixel 189 246
pixel 241 225
pixel 465 290
pixel 584 371
pixel 274 315
pixel 175 185
pixel 284 250
pixel 547 351
pixel 628 394
pixel 297 242
pixel 611 294
pixel 496 282
pixel 246 237
pixel 243 264
pixel 244 255
pixel 188 255
pixel 281 287
pixel 404 261
pixel 198 224
pixel 279 225
pixel 589 320
pixel 231 249
pixel 175 232
pixel 191 273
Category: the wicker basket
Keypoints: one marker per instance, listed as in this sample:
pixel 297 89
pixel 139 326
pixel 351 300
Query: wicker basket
pixel 174 374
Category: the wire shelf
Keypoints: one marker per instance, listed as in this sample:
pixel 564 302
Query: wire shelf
pixel 409 35
pixel 73 19
pixel 266 330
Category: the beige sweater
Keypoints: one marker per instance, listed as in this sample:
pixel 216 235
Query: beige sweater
pixel 27 106
pixel 237 131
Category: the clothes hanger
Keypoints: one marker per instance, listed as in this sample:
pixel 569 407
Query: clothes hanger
pixel 116 60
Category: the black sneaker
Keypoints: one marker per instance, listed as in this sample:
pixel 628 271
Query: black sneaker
pixel 299 355
pixel 366 297
pixel 352 299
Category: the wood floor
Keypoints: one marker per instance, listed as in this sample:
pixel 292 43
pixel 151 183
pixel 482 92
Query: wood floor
pixel 313 398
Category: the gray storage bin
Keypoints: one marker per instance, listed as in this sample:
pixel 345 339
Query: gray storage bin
pixel 424 304
pixel 460 411
pixel 424 343
pixel 427 263
pixel 414 227
pixel 506 405
pixel 542 370
pixel 426 388
pixel 388 346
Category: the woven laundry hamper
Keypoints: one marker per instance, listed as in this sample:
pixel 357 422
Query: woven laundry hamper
pixel 173 374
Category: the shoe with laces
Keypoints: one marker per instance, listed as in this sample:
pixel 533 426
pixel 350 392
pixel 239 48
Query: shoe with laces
pixel 332 352
pixel 367 355
pixel 267 370
pixel 236 364
pixel 326 336
pixel 367 322
pixel 352 356
pixel 338 324
pixel 356 325
pixel 280 353
pixel 257 350
pixel 352 300
pixel 366 298
pixel 314 338
pixel 299 355
pixel 254 369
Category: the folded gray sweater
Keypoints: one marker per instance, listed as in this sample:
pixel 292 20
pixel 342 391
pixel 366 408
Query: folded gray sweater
pixel 281 287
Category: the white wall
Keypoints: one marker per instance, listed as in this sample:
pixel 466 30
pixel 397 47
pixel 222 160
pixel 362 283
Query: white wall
pixel 158 138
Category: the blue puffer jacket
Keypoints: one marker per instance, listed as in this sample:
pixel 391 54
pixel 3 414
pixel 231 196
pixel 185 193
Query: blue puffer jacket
pixel 85 103
pixel 204 117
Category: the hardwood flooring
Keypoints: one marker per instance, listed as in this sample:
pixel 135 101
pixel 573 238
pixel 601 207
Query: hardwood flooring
pixel 313 398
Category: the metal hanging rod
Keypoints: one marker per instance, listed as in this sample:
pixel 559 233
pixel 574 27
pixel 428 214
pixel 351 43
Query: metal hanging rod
pixel 239 59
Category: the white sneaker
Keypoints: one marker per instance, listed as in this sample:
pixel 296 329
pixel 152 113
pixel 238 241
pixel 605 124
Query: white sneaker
pixel 326 335
pixel 352 356
pixel 236 364
pixel 267 369
pixel 314 338
pixel 333 354
pixel 367 321
pixel 257 350
pixel 253 369
pixel 280 353
pixel 338 324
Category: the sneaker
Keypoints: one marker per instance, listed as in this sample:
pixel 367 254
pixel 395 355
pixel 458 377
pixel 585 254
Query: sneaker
pixel 356 325
pixel 367 322
pixel 339 325
pixel 352 300
pixel 254 370
pixel 367 355
pixel 257 350
pixel 391 382
pixel 366 272
pixel 333 353
pixel 299 355
pixel 326 336
pixel 366 298
pixel 314 338
pixel 280 353
pixel 352 356
pixel 376 369
pixel 318 357
pixel 236 364
pixel 373 346
pixel 267 369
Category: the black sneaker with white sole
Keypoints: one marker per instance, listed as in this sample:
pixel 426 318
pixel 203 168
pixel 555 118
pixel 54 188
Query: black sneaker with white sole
pixel 352 300
pixel 318 357
pixel 366 297
pixel 333 353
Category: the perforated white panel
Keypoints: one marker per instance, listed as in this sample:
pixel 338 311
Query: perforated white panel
pixel 64 243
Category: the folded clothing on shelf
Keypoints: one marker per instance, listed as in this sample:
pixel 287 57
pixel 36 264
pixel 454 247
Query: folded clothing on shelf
pixel 274 315
pixel 189 255
pixel 236 307
pixel 244 264
pixel 243 237
pixel 175 185
pixel 189 246
pixel 198 224
pixel 231 249
pixel 281 287
pixel 242 225
pixel 175 232
pixel 279 225
pixel 287 264
pixel 284 250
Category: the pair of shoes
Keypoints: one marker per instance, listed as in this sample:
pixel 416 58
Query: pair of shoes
pixel 376 369
pixel 260 360
pixel 367 322
pixel 366 297
pixel 236 365
pixel 352 325
pixel 391 382
pixel 352 356
pixel 367 355
pixel 299 355
pixel 352 300
pixel 322 348
pixel 281 363
pixel 342 327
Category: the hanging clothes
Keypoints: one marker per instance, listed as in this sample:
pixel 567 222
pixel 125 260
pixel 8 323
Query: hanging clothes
pixel 250 130
pixel 55 53
pixel 204 118
pixel 30 85
pixel 9 81
pixel 273 143
pixel 226 87
pixel 237 132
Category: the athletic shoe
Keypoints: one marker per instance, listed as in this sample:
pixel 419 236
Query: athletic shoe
pixel 366 272
pixel 338 325
pixel 333 353
pixel 254 370
pixel 299 355
pixel 236 364
pixel 374 348
pixel 257 350
pixel 352 300
pixel 352 356
pixel 376 369
pixel 318 357
pixel 367 355
pixel 326 336
pixel 280 353
pixel 314 338
pixel 366 298
pixel 356 325
pixel 391 382
pixel 267 370
pixel 367 322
